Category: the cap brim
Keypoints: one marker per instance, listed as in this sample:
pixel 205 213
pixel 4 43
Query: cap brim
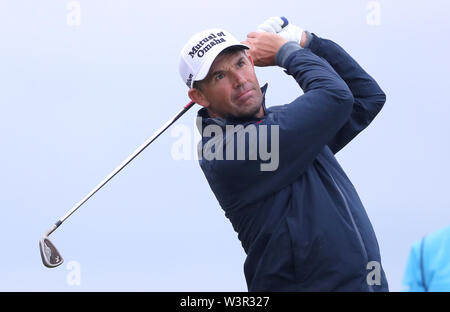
pixel 203 72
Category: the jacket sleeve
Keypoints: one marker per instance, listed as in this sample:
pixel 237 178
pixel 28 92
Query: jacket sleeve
pixel 305 126
pixel 369 98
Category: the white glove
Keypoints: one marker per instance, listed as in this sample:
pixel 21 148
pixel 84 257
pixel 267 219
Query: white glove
pixel 272 25
pixel 292 33
pixel 289 32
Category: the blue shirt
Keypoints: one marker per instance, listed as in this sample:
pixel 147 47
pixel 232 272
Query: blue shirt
pixel 428 266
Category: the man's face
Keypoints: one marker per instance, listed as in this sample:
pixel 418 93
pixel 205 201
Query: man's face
pixel 231 88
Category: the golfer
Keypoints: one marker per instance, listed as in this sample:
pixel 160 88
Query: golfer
pixel 300 220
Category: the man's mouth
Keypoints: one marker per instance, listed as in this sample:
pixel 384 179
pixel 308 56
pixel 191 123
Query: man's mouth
pixel 244 96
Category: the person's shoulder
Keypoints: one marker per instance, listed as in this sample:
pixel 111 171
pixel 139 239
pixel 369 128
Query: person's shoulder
pixel 275 108
pixel 441 234
pixel 415 246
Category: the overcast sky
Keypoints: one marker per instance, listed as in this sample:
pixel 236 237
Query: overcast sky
pixel 84 83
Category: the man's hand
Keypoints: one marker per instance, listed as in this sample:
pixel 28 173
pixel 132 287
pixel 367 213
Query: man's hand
pixel 264 47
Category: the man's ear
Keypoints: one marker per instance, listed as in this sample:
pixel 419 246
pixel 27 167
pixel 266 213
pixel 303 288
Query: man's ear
pixel 251 60
pixel 198 97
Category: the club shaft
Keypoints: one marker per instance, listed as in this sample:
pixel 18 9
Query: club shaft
pixel 121 166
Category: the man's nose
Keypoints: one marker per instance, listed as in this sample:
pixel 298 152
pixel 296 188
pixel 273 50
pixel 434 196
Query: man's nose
pixel 238 79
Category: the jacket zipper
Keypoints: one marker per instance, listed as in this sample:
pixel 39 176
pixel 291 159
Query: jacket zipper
pixel 353 224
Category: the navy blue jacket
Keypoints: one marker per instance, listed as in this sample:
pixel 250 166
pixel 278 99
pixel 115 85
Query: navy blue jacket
pixel 303 226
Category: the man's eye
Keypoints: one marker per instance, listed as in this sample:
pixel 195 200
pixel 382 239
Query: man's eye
pixel 241 63
pixel 219 76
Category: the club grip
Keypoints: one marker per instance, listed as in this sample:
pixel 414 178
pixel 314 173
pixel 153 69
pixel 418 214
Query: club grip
pixel 285 21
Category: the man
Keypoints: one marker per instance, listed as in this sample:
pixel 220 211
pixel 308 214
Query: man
pixel 300 222
pixel 428 267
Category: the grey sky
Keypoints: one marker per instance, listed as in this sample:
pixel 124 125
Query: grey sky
pixel 76 100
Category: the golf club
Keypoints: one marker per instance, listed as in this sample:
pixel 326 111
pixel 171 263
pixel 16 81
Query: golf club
pixel 50 255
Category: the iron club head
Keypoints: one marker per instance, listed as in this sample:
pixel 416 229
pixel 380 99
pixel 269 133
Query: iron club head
pixel 50 255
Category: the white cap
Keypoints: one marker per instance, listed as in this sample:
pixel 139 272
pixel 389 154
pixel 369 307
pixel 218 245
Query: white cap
pixel 200 52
